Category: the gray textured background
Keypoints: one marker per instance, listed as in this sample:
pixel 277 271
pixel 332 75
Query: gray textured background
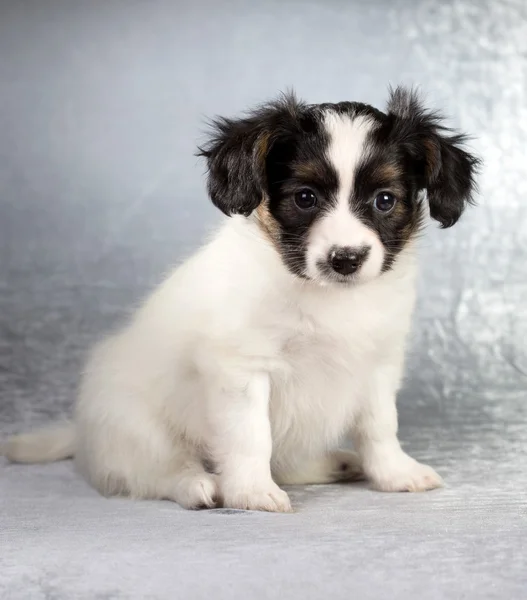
pixel 101 107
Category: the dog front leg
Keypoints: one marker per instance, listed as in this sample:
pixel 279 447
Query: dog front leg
pixel 383 460
pixel 241 447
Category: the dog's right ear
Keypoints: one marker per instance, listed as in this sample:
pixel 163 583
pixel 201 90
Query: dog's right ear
pixel 237 150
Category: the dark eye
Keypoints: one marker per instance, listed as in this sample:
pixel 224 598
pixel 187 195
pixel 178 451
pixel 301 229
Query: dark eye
pixel 305 199
pixel 384 202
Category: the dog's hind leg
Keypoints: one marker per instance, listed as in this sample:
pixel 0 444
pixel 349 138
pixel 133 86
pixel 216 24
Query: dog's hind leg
pixel 145 462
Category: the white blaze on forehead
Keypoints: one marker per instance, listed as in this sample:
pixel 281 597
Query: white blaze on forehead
pixel 340 227
pixel 347 147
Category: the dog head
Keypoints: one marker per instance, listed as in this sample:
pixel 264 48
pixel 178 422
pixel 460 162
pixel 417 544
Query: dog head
pixel 337 187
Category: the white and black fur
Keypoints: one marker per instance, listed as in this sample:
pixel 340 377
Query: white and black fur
pixel 255 360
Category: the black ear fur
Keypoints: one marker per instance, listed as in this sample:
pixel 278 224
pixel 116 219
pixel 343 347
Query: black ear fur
pixel 443 167
pixel 237 150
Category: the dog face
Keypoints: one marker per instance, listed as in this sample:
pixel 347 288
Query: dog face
pixel 337 187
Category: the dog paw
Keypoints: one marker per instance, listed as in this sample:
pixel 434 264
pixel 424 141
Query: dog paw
pixel 267 497
pixel 404 474
pixel 197 491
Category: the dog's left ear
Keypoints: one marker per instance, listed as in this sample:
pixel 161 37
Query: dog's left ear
pixel 443 167
pixel 237 153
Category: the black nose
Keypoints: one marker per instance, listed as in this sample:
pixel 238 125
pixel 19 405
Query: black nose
pixel 346 261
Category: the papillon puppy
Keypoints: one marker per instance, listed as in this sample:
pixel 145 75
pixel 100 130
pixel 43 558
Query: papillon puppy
pixel 282 338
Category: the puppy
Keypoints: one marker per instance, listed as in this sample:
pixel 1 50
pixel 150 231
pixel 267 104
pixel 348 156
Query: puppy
pixel 285 335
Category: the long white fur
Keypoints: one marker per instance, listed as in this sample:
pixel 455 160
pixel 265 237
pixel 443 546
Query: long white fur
pixel 234 360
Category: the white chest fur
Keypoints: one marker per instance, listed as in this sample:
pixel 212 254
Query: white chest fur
pixel 332 341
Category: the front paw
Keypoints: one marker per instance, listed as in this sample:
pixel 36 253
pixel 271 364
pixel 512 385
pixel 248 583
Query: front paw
pixel 403 474
pixel 266 496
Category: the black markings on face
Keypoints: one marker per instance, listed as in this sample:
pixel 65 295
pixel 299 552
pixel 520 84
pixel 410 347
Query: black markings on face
pixel 385 168
pixel 293 167
pixel 302 164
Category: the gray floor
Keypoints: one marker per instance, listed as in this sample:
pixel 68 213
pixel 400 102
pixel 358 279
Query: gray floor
pixel 101 106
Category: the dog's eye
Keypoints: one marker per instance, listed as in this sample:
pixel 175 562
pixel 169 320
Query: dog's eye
pixel 305 199
pixel 384 202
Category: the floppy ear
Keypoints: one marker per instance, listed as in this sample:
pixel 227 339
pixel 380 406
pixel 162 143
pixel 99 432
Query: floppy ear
pixel 443 166
pixel 237 150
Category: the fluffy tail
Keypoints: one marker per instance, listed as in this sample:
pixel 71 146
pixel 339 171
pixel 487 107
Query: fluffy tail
pixel 47 445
